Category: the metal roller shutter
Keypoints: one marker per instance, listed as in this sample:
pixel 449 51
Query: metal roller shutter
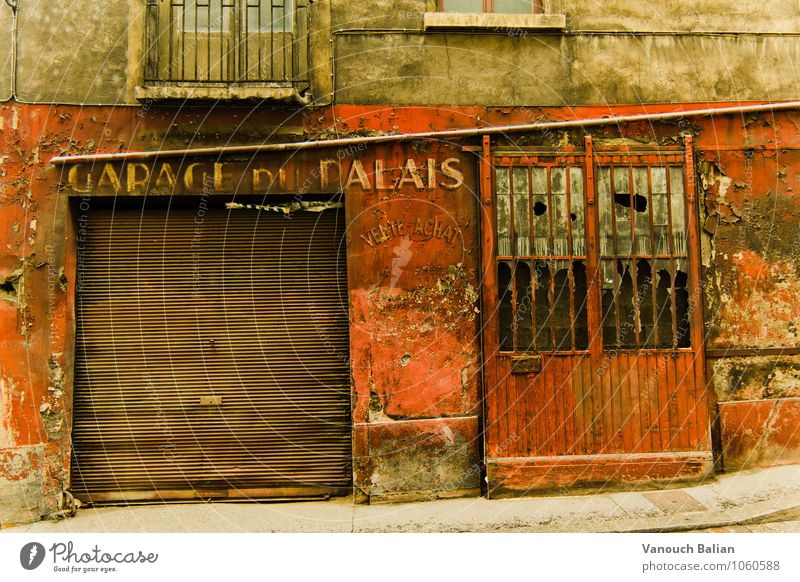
pixel 212 355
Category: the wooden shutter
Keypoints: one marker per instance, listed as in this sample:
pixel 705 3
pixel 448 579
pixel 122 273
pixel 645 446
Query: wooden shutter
pixel 212 355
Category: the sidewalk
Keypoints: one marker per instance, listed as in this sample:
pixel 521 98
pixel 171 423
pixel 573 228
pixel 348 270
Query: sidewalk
pixel 748 497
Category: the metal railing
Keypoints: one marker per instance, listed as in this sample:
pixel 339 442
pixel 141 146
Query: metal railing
pixel 222 42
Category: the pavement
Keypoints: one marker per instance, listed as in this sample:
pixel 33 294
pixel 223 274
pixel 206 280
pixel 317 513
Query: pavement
pixel 758 500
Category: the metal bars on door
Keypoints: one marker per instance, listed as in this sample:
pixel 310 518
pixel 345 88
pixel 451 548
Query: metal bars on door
pixel 541 242
pixel 642 250
pixel 592 314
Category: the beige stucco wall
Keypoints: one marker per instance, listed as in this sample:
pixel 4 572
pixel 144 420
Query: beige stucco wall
pixel 87 51
pixel 606 15
pixel 5 51
pixel 681 15
pixel 73 52
pixel 501 69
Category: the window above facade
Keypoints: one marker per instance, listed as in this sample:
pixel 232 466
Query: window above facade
pixel 242 46
pixel 493 6
pixel 493 16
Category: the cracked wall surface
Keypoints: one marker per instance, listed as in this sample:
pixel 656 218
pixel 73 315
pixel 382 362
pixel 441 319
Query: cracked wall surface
pixel 751 259
pixel 414 328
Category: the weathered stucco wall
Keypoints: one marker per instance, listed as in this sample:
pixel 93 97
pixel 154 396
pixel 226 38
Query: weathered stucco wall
pixel 6 24
pixel 74 52
pixel 751 226
pixel 320 52
pixel 33 323
pixel 91 52
pixel 751 238
pixel 557 70
pixel 380 14
pixel 595 15
pixel 414 281
pixel 678 15
pixel 758 433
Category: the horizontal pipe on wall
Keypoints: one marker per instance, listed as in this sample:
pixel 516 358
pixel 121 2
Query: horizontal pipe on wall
pixel 441 134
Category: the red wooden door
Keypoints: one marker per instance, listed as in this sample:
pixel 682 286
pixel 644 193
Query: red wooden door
pixel 593 330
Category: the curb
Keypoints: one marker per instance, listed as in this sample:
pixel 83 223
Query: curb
pixel 756 513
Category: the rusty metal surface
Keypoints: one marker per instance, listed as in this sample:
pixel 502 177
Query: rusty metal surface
pixel 148 496
pixel 526 364
pixel 206 369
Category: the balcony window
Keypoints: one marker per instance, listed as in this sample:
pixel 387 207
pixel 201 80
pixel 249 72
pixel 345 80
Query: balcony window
pixel 493 6
pixel 219 42
pixel 514 16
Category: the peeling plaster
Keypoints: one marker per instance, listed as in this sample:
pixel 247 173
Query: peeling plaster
pixel 7 439
pixel 756 378
pixel 11 287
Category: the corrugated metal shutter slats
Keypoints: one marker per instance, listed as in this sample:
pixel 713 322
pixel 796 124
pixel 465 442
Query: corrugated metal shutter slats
pixel 212 354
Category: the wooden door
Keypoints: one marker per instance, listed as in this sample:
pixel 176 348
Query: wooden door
pixel 593 337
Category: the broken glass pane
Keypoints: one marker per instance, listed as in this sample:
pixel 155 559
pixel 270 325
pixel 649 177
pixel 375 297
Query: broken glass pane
pixel 658 177
pixel 682 305
pixel 541 213
pixel 522 223
pixel 622 209
pixel 576 211
pixel 503 188
pixel 580 300
pixel 605 208
pixel 678 210
pixel 641 214
pixel 524 316
pixel 625 301
pixel 541 280
pixel 506 307
pixel 561 310
pixel 609 322
pixel 644 289
pixel 558 188
pixel 608 270
pixel 663 282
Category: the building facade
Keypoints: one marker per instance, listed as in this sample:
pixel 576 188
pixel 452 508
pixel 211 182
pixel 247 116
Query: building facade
pixel 408 250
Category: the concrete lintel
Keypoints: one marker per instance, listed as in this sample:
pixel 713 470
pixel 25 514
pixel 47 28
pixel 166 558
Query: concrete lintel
pixel 489 22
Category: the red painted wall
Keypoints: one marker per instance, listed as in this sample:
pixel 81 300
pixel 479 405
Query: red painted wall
pixel 414 347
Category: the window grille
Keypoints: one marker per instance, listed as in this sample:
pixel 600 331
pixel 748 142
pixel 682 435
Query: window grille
pixel 226 41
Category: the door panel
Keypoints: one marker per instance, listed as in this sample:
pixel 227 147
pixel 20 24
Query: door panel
pixel 588 342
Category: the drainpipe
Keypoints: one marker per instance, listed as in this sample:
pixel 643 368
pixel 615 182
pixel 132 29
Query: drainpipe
pixel 13 4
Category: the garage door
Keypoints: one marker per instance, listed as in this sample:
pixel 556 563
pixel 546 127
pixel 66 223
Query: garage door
pixel 212 356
